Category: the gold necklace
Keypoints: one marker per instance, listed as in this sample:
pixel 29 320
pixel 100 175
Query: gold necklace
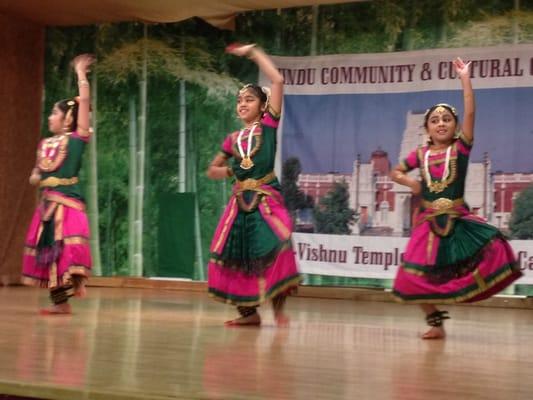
pixel 448 175
pixel 238 151
pixel 52 152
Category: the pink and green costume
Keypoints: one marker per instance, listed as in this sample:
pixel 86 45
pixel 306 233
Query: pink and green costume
pixel 251 258
pixel 453 256
pixel 57 247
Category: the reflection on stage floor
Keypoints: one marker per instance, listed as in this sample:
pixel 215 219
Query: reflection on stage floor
pixel 153 344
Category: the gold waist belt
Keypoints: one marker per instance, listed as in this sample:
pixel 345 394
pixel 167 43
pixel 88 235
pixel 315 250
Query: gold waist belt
pixel 52 181
pixel 443 203
pixel 64 200
pixel 254 184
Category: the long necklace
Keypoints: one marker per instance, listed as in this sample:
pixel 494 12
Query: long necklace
pixel 246 162
pixel 439 185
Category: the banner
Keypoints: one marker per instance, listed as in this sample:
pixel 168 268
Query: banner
pixel 372 256
pixel 412 71
pixel 350 118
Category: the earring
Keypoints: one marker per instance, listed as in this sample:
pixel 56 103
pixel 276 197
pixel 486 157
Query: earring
pixel 67 124
pixel 68 118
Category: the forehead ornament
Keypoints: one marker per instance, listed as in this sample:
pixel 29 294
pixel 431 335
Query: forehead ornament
pixel 244 89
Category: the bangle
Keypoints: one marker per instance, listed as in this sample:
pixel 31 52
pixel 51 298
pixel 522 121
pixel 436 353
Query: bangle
pixel 83 131
pixel 83 82
pixel 229 172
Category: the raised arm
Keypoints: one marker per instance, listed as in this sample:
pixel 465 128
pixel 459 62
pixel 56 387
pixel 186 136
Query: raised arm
pixel 81 66
pixel 265 64
pixel 463 71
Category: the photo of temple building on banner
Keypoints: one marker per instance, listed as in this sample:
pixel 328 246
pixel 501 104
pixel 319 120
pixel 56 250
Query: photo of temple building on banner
pixel 386 208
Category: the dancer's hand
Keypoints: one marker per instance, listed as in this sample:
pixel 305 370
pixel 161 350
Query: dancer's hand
pixel 240 50
pixel 462 68
pixel 35 178
pixel 82 63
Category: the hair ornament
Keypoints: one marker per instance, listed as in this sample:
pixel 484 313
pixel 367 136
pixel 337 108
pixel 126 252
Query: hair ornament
pixel 245 88
pixel 442 107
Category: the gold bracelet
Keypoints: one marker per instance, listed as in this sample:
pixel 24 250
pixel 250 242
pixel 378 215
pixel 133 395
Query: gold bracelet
pixel 83 132
pixel 83 82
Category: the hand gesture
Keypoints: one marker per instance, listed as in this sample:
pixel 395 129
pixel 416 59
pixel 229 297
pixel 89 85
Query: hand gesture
pixel 462 69
pixel 82 63
pixel 240 50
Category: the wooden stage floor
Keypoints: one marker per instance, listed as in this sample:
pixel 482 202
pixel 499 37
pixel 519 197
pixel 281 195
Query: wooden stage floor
pixel 152 344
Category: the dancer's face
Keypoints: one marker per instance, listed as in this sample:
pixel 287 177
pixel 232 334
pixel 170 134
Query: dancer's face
pixel 56 120
pixel 441 126
pixel 248 106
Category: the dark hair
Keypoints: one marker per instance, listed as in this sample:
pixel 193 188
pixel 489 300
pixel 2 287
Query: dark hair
pixel 65 105
pixel 256 90
pixel 450 108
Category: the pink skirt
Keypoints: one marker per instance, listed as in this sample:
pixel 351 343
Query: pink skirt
pixel 234 287
pixel 71 237
pixel 230 285
pixel 470 264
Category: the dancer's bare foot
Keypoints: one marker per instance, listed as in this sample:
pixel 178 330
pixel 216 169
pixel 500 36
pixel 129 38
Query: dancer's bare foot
pixel 80 291
pixel 278 305
pixel 435 332
pixel 57 309
pixel 281 319
pixel 435 319
pixel 250 320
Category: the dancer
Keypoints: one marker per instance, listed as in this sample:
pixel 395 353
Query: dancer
pixel 453 256
pixel 251 256
pixel 57 253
